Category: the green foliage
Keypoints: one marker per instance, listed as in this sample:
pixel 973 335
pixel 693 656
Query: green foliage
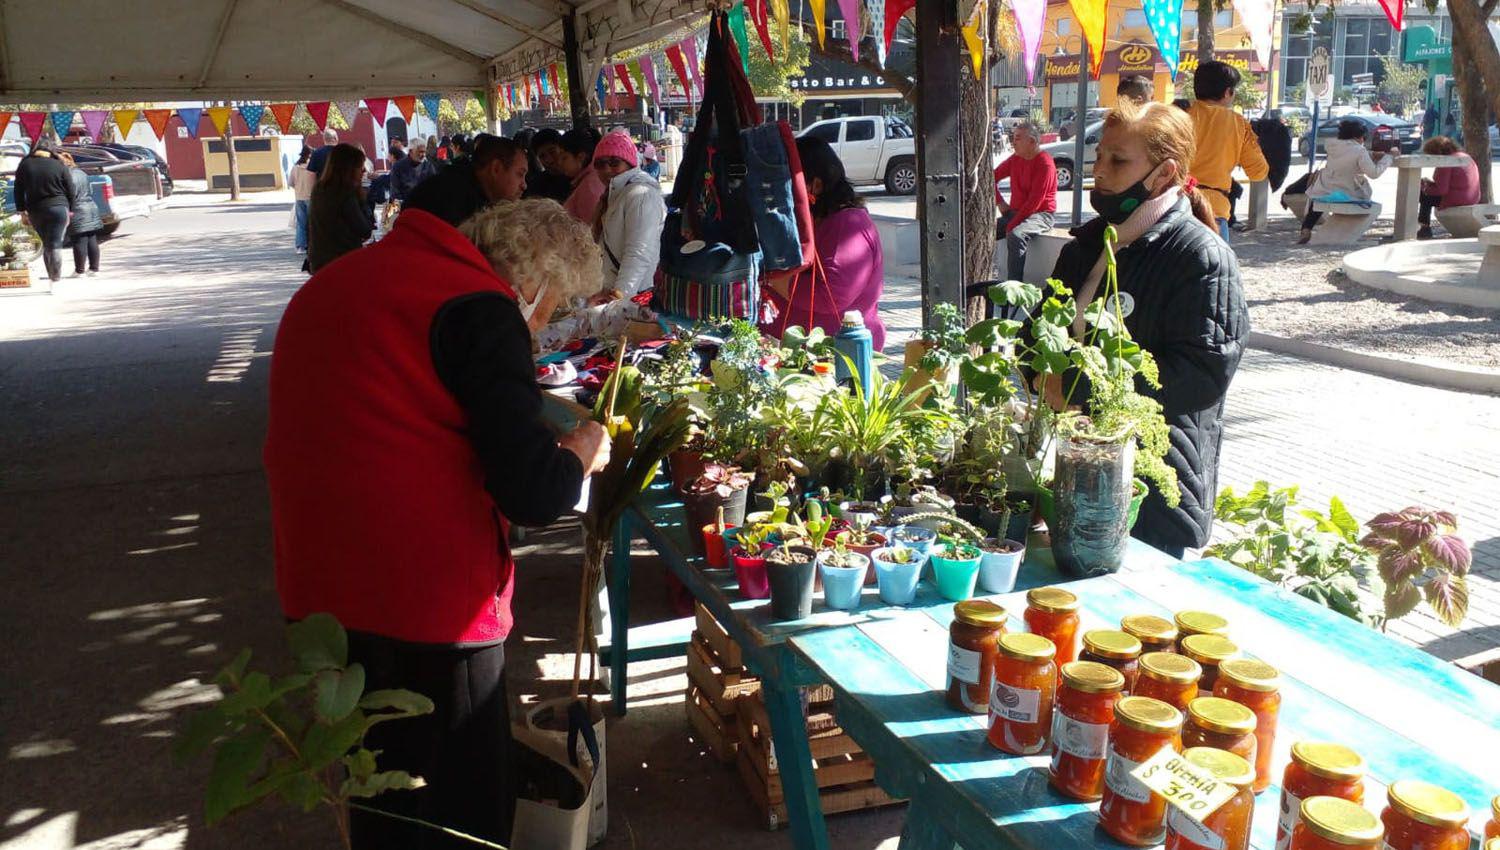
pixel 944 339
pixel 878 431
pixel 1403 85
pixel 768 76
pixel 740 390
pixel 1420 555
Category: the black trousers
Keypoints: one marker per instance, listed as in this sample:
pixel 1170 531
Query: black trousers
pixel 1425 205
pixel 86 251
pixel 463 749
pixel 51 224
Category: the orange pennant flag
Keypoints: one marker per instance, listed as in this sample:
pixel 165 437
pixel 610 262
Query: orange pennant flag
pixel 4 122
pixel 220 116
pixel 283 113
pixel 124 120
pixel 1091 15
pixel 158 119
pixel 406 104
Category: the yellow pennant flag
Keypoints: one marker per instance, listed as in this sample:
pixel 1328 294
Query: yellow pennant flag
pixel 817 16
pixel 973 33
pixel 124 120
pixel 783 18
pixel 1091 15
pixel 220 116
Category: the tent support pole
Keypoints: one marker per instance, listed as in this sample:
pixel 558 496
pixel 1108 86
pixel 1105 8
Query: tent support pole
pixel 578 99
pixel 939 154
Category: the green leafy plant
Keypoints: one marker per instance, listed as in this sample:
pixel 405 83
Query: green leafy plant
pixel 898 554
pixel 1420 555
pixel 800 348
pixel 750 539
pixel 870 433
pixel 300 737
pixel 943 339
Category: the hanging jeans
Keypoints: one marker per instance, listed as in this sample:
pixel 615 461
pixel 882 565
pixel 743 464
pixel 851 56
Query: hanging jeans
pixel 51 223
pixel 769 177
pixel 301 214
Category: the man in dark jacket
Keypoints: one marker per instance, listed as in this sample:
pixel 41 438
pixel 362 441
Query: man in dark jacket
pixel 548 181
pixel 44 195
pixel 496 171
pixel 409 171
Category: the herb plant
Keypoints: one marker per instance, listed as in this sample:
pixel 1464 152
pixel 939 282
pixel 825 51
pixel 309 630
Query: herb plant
pixel 1420 555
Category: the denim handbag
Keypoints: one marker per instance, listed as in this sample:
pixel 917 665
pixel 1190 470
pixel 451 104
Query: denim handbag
pixel 772 201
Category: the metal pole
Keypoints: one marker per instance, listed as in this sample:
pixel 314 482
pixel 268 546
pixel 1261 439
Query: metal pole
pixel 1080 127
pixel 939 154
pixel 578 99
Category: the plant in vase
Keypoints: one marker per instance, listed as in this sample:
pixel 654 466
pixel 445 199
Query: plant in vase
pixel 749 559
pixel 792 571
pixel 844 573
pixel 934 359
pixel 865 434
pixel 999 564
pixel 718 489
pixel 955 567
pixel 1420 555
pixel 898 569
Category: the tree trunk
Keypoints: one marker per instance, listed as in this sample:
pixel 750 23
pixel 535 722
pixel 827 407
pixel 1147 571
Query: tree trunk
pixel 1205 31
pixel 979 183
pixel 234 161
pixel 1483 56
pixel 1473 108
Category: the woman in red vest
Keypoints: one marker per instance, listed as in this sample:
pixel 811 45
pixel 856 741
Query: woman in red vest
pixel 405 434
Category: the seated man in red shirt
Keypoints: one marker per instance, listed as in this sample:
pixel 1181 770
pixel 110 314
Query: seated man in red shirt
pixel 1033 195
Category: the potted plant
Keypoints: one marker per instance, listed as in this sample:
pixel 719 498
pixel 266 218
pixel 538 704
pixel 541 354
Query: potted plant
pixel 898 569
pixel 1420 555
pixel 999 564
pixel 934 359
pixel 861 539
pixel 955 567
pixel 864 434
pixel 749 559
pixel 919 538
pixel 791 570
pixel 844 574
pixel 718 488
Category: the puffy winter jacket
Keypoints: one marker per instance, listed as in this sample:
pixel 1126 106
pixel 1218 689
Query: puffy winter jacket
pixel 1348 169
pixel 1188 310
pixel 86 218
pixel 631 234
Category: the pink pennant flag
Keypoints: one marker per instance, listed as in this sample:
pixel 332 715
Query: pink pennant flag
pixel 93 121
pixel 1031 19
pixel 1395 10
pixel 648 73
pixel 850 10
pixel 378 107
pixel 609 78
pixel 318 110
pixel 894 9
pixel 690 55
pixel 32 123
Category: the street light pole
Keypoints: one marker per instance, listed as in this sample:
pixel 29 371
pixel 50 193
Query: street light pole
pixel 1080 127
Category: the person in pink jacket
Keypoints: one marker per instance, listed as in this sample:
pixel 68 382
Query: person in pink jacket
pixel 1450 186
pixel 853 267
pixel 576 161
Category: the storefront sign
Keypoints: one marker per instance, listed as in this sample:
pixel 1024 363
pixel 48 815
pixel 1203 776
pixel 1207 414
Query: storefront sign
pixel 1062 67
pixel 1244 60
pixel 1133 58
pixel 825 83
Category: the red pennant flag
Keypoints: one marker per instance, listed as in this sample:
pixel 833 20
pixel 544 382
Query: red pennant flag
pixel 406 105
pixel 4 122
pixel 623 75
pixel 319 112
pixel 283 113
pixel 757 11
pixel 1395 10
pixel 158 119
pixel 32 123
pixel 674 58
pixel 894 9
pixel 378 107
pixel 552 75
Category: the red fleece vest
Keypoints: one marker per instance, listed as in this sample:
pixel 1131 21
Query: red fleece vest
pixel 377 496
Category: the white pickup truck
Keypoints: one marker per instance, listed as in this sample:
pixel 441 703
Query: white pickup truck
pixel 874 149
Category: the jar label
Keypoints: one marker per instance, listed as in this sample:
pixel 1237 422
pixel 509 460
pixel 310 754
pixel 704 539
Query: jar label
pixel 1078 739
pixel 1181 823
pixel 1291 813
pixel 1017 705
pixel 1117 776
pixel 963 664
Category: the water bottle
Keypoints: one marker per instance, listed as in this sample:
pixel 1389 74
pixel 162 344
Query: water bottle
pixel 854 342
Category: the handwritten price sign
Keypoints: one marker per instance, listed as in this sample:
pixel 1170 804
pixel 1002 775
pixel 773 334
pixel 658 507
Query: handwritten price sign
pixel 1190 788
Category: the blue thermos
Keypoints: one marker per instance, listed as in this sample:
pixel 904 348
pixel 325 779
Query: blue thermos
pixel 854 341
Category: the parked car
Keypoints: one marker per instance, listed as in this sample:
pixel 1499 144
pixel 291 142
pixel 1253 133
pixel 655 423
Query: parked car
pixel 1063 154
pixel 874 149
pixel 114 205
pixel 1381 130
pixel 148 155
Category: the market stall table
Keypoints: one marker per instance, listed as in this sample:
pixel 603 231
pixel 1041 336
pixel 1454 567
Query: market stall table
pixel 1409 714
pixel 1409 189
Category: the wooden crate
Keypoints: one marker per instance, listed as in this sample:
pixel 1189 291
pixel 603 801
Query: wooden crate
pixel 721 686
pixel 15 278
pixel 718 640
pixel 719 733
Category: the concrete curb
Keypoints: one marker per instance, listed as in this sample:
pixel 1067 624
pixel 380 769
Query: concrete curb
pixel 1462 378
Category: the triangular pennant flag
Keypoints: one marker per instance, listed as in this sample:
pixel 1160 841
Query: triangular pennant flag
pixel 406 104
pixel 62 122
pixel 283 113
pixel 623 75
pixel 124 120
pixel 1395 11
pixel 158 119
pixel 876 11
pixel 600 88
pixel 556 80
pixel 460 101
pixel 483 98
pixel 894 10
pixel 544 83
pixel 636 78
pixel 850 10
pixel 757 12
pixel 974 37
pixel 318 111
pixel 348 110
pixel 4 122
pixel 219 115
pixel 526 83
pixel 741 35
pixel 32 123
pixel 648 73
pixel 819 9
pixel 782 17
pixel 1091 15
pixel 1031 17
pixel 191 118
pixel 93 121
pixel 609 78
pixel 690 56
pixel 252 113
pixel 432 102
pixel 378 107
pixel 674 58
pixel 1259 17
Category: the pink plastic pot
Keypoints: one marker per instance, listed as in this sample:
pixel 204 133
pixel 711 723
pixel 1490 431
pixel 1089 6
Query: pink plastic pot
pixel 750 571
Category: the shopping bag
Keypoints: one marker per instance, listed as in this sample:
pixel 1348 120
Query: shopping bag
pixel 570 734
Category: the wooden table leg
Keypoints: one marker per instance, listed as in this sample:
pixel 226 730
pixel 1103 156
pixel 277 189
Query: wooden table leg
pixel 1408 193
pixel 924 828
pixel 618 583
pixel 789 735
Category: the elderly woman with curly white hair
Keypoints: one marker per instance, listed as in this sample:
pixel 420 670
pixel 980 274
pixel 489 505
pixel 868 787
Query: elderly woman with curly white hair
pixel 405 432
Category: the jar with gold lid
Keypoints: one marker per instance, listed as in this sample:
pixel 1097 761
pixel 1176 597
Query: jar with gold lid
pixel 1209 651
pixel 1422 816
pixel 1492 829
pixel 1317 769
pixel 1113 649
pixel 1257 686
pixel 1332 823
pixel 1228 826
pixel 1169 677
pixel 1081 717
pixel 972 636
pixel 1222 725
pixel 1198 623
pixel 1129 810
pixel 1156 634
pixel 1025 685
pixel 1053 613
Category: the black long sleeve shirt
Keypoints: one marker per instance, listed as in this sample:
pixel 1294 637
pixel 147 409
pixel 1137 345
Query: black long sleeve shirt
pixel 481 349
pixel 43 181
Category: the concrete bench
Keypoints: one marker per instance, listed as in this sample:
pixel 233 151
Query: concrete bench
pixel 1489 267
pixel 1465 222
pixel 1342 224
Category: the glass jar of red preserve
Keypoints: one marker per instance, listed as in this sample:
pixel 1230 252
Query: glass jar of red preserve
pixel 1156 634
pixel 1053 613
pixel 1021 699
pixel 1209 651
pixel 976 628
pixel 1129 810
pixel 1257 686
pixel 1113 649
pixel 1081 717
pixel 1222 725
pixel 1422 816
pixel 1169 677
pixel 1332 823
pixel 1228 826
pixel 1317 769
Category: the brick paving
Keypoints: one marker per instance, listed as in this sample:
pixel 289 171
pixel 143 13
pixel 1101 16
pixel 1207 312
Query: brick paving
pixel 1376 443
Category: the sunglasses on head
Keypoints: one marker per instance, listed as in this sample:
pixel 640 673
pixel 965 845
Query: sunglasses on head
pixel 609 162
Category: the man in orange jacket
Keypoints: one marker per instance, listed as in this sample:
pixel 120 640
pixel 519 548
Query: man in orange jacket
pixel 1225 140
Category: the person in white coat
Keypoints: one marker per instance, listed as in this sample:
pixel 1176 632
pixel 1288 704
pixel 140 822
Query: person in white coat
pixel 628 225
pixel 1346 173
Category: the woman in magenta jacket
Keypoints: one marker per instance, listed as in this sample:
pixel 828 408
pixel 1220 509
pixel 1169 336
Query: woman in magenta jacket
pixel 853 268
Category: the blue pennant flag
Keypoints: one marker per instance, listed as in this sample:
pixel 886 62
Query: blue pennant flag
pixel 1165 19
pixel 252 113
pixel 190 119
pixel 601 89
pixel 62 122
pixel 430 102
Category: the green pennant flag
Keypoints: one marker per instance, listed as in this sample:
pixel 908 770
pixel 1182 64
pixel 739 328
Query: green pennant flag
pixel 483 97
pixel 741 35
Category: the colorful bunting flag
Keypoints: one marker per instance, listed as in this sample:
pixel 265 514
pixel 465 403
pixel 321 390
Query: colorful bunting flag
pixel 783 18
pixel 757 10
pixel 674 58
pixel 623 75
pixel 158 119
pixel 62 122
pixel 850 10
pixel 483 98
pixel 283 113
pixel 1091 16
pixel 32 123
pixel 690 56
pixel 1395 11
pixel 876 10
pixel 600 88
pixel 4 122
pixel 252 113
pixel 93 121
pixel 219 115
pixel 349 110
pixel 406 104
pixel 648 73
pixel 819 8
pixel 1259 18
pixel 431 103
pixel 894 9
pixel 378 107
pixel 741 35
pixel 526 81
pixel 191 118
pixel 637 81
pixel 124 120
pixel 556 80
pixel 318 112
pixel 460 101
pixel 1031 18
pixel 973 33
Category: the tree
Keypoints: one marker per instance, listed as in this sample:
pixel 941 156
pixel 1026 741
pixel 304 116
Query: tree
pixel 769 75
pixel 1401 85
pixel 1476 71
pixel 1206 11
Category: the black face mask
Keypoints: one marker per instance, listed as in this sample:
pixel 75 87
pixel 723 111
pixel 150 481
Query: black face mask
pixel 1118 207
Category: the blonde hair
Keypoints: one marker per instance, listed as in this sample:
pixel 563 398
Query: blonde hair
pixel 1167 133
pixel 538 241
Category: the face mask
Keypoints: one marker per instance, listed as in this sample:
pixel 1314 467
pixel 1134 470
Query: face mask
pixel 1118 207
pixel 529 307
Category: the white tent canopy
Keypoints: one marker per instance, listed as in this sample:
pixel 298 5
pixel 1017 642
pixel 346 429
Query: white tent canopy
pixel 73 51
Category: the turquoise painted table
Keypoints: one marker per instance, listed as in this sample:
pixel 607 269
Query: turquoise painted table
pixel 1409 714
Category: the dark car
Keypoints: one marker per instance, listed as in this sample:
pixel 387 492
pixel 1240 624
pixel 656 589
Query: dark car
pixel 148 155
pixel 1382 132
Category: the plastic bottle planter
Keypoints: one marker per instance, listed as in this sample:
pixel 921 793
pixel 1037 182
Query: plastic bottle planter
pixel 999 565
pixel 954 570
pixel 897 581
pixel 750 571
pixel 790 572
pixel 1092 490
pixel 842 585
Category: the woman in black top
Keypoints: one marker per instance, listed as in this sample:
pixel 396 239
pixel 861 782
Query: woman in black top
pixel 45 195
pixel 336 219
pixel 86 224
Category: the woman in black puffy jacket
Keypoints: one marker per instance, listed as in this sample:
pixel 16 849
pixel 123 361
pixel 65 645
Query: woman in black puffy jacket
pixel 86 225
pixel 44 194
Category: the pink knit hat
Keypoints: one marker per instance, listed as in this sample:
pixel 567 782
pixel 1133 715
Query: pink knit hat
pixel 617 145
